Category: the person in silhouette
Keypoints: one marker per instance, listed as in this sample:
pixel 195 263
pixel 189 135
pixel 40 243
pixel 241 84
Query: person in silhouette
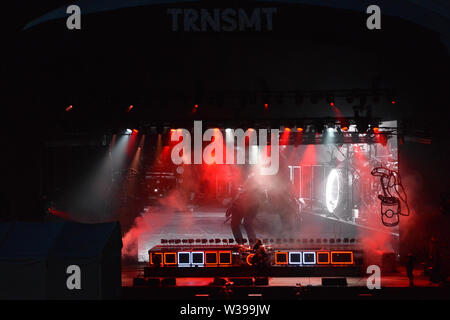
pixel 410 269
pixel 244 209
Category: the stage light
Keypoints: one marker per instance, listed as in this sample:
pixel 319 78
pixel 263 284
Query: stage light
pixel 392 98
pixel 170 258
pixel 198 259
pixel 295 258
pixel 266 106
pixel 332 190
pixel 225 257
pixel 211 257
pixel 281 258
pixel 344 129
pixel 130 108
pixel 376 130
pixel 300 129
pixel 287 129
pixel 341 257
pixel 330 131
pixel 69 108
pixel 128 131
pixel 184 259
pixel 323 257
pixel 309 258
pixel 330 100
pixel 196 106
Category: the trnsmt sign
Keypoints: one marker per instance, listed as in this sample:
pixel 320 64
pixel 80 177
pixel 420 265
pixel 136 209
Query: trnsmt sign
pixel 228 20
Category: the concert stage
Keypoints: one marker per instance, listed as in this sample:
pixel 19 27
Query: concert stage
pixel 251 149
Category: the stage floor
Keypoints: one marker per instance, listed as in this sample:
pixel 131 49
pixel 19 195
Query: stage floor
pixel 392 280
pixel 393 287
pixel 160 223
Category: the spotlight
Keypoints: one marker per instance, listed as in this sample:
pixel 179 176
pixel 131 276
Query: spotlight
pixel 128 131
pixel 266 106
pixel 330 100
pixel 130 108
pixel 392 99
pixel 299 129
pixel 344 124
pixel 69 108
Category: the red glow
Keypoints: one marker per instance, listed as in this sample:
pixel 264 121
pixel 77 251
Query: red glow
pixel 300 129
pixel 332 104
pixel 266 106
pixel 135 131
pixel 393 101
pixel 130 108
pixel 69 108
pixel 285 136
pixel 344 128
pixel 376 130
pixel 196 106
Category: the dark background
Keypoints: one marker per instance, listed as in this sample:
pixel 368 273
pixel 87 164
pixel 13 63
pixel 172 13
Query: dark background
pixel 131 56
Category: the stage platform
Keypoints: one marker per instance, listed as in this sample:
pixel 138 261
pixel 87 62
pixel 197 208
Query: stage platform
pixel 393 286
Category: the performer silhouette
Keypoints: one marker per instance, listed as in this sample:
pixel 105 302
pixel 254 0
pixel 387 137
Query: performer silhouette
pixel 254 197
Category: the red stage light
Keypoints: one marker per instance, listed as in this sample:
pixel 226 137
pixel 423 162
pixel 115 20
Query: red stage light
pixel 266 106
pixel 69 108
pixel 376 130
pixel 130 107
pixel 344 128
pixel 196 106
pixel 287 129
pixel 332 104
pixel 393 102
pixel 300 129
pixel 135 131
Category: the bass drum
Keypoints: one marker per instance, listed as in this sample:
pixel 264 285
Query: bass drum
pixel 336 192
